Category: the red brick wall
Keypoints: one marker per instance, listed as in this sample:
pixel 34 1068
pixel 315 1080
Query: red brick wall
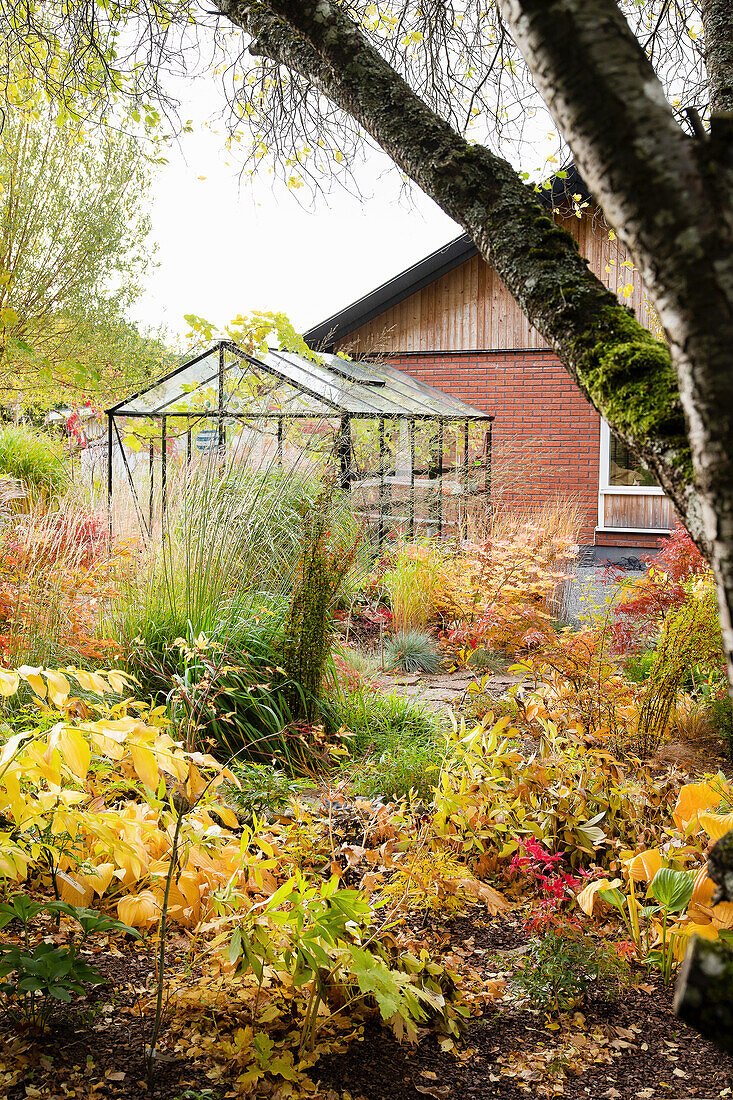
pixel 546 434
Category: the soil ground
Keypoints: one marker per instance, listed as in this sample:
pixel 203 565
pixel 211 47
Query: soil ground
pixel 630 1048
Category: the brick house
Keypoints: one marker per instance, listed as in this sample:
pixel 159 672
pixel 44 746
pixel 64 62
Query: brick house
pixel 450 321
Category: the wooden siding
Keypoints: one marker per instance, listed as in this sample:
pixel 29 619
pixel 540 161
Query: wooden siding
pixel 645 512
pixel 470 307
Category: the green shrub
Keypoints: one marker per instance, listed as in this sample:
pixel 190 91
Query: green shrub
pixel 397 742
pixel 262 787
pixel 412 651
pixel 36 460
pixel 637 669
pixel 560 970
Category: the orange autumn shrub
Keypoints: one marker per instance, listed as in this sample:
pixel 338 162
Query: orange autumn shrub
pixel 505 592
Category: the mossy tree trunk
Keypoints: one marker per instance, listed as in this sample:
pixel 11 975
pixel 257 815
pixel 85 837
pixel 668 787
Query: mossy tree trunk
pixel 669 196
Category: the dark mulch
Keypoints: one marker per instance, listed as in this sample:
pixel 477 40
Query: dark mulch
pixel 633 1048
pixel 509 1054
pixel 629 1049
pixel 95 1047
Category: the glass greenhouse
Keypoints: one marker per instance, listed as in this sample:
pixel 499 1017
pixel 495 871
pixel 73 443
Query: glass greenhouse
pixel 411 454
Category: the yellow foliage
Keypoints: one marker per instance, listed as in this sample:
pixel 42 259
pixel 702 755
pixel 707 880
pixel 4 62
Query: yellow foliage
pixel 644 866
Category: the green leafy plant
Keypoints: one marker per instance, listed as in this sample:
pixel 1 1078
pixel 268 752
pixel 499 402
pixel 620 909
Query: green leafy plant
pixel 396 741
pixel 320 934
pixel 262 787
pixel 561 969
pixel 38 976
pixel 412 651
pixel 672 891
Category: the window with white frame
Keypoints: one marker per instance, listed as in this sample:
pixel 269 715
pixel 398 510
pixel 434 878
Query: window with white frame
pixel 628 493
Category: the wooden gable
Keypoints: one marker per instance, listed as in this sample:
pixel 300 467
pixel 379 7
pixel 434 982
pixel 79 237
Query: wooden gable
pixel 470 308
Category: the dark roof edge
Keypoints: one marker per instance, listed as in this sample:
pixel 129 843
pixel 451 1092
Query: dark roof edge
pixel 323 336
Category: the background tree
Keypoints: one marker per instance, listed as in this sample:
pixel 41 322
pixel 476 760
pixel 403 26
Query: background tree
pixel 73 251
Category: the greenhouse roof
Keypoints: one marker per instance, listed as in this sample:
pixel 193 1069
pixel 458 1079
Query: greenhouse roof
pixel 225 380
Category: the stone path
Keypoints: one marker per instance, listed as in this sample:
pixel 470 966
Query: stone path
pixel 442 691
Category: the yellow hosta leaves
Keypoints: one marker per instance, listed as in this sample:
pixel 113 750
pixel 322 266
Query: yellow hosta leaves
pixel 693 799
pixel 684 932
pixel 644 866
pixel 9 682
pixel 703 888
pixel 138 910
pixel 716 825
pixel 145 764
pixel 100 878
pixel 586 899
pixel 73 890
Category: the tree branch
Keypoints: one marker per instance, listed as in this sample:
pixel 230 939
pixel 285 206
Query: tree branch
pixel 624 371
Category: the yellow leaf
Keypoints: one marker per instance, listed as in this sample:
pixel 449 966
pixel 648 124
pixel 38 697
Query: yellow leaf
pixel 196 784
pixel 227 816
pixel 90 681
pixel 58 687
pixel 144 763
pixel 34 678
pixel 644 866
pixel 9 682
pixel 703 888
pixel 681 937
pixel 138 910
pixel 76 752
pixel 72 890
pixel 587 897
pixel 723 915
pixel 716 825
pixel 100 878
pixel 693 798
pixel 118 681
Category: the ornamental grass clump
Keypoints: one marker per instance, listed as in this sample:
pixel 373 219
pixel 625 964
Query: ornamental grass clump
pixel 412 651
pixel 227 569
pixel 415 583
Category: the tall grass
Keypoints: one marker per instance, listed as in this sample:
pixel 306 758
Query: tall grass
pixel 35 460
pixel 224 567
pixel 57 582
pixel 414 584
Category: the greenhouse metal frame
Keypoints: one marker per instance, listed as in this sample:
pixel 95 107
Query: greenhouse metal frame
pixel 328 386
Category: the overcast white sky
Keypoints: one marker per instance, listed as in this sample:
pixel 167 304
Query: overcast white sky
pixel 227 247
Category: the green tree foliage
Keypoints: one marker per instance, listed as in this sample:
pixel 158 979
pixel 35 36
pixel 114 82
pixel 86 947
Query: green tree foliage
pixel 73 250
